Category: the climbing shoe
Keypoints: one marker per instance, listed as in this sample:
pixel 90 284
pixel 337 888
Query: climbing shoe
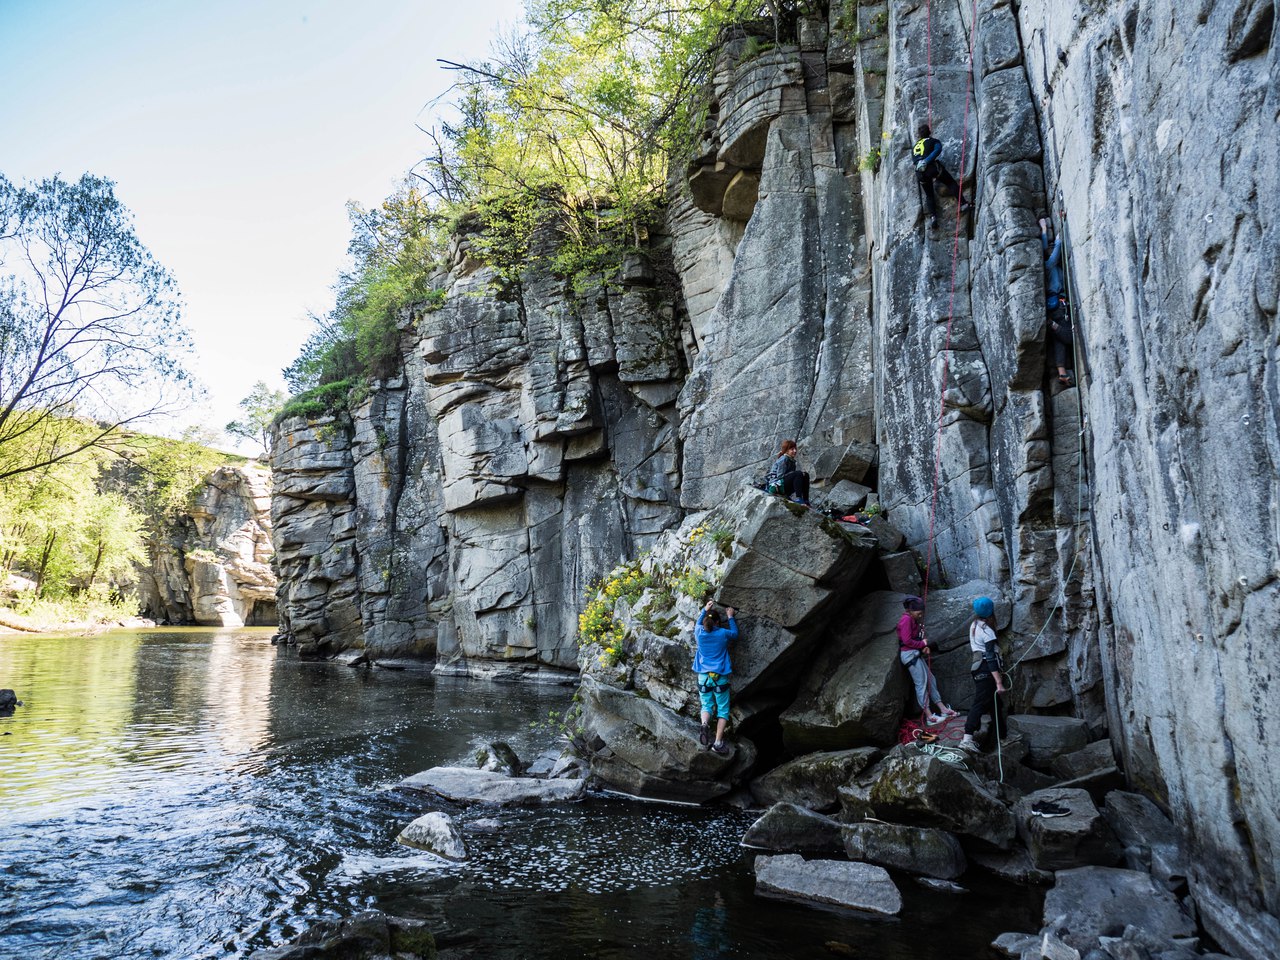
pixel 965 206
pixel 970 744
pixel 704 737
pixel 933 223
pixel 721 748
pixel 933 719
pixel 1048 809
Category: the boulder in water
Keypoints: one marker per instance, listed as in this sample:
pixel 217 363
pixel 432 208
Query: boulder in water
pixel 788 828
pixel 923 850
pixel 813 780
pixel 8 700
pixel 364 936
pixel 465 785
pixel 859 886
pixel 436 833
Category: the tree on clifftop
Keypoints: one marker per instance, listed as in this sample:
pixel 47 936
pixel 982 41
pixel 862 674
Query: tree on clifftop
pixel 260 408
pixel 90 327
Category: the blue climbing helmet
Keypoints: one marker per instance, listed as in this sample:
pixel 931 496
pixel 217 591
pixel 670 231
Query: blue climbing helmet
pixel 983 607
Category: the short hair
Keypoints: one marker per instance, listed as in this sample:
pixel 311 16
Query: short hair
pixel 913 603
pixel 786 445
pixel 924 131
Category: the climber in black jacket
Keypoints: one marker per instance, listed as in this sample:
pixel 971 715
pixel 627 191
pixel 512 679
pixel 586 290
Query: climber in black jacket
pixel 930 172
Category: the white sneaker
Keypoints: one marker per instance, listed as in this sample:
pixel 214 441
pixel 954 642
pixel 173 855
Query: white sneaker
pixel 933 719
pixel 970 744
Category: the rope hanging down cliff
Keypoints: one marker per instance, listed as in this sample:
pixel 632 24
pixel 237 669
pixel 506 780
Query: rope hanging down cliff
pixel 951 306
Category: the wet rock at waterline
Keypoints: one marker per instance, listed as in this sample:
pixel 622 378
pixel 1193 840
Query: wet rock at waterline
pixel 8 700
pixel 641 748
pixel 498 757
pixel 436 833
pixel 1088 903
pixel 468 785
pixel 370 935
pixel 813 780
pixel 934 853
pixel 859 886
pixel 789 828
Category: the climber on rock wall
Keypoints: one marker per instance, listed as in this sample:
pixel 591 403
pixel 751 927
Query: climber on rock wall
pixel 930 172
pixel 711 663
pixel 1056 305
pixel 912 650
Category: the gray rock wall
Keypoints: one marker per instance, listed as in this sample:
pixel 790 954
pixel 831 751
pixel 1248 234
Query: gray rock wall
pixel 213 567
pixel 1159 125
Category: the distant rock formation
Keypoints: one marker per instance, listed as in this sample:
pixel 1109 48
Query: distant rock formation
pixel 213 567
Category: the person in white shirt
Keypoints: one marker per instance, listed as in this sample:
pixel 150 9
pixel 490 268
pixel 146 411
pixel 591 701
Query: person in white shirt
pixel 985 667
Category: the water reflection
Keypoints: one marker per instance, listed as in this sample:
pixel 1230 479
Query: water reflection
pixel 190 794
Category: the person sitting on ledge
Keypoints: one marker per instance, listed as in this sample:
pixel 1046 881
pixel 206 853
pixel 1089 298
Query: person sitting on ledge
pixel 785 476
pixel 711 663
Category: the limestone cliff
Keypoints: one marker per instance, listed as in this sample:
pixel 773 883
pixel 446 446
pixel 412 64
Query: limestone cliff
pixel 213 566
pixel 539 436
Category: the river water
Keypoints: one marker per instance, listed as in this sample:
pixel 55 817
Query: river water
pixel 192 794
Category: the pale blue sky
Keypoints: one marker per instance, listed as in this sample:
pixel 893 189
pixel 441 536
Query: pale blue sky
pixel 236 131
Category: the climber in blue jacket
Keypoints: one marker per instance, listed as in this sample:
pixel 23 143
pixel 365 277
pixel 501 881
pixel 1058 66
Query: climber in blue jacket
pixel 930 172
pixel 711 663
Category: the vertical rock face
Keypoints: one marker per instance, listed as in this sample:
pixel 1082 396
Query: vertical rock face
pixel 214 568
pixel 1128 526
pixel 529 446
pixel 1160 124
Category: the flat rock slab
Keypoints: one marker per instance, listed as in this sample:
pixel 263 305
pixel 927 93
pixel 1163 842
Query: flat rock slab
pixel 1089 902
pixel 483 786
pixel 1080 838
pixel 859 886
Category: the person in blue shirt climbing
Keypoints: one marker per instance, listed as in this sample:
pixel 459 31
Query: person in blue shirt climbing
pixel 711 663
pixel 930 172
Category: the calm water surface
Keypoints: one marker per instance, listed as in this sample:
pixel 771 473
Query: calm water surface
pixel 190 794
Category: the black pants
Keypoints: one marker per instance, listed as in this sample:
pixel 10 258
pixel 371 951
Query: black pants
pixel 1062 343
pixel 984 701
pixel 797 482
pixel 928 185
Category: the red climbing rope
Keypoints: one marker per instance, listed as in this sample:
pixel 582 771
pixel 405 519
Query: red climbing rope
pixel 951 307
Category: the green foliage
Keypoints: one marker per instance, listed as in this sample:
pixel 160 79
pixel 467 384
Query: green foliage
pixel 318 401
pixel 576 123
pixel 260 408
pixel 393 248
pixel 692 582
pixel 870 161
pixel 61 530
pixel 90 328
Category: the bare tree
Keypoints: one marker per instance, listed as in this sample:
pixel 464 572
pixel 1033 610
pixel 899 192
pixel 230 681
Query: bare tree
pixel 91 337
